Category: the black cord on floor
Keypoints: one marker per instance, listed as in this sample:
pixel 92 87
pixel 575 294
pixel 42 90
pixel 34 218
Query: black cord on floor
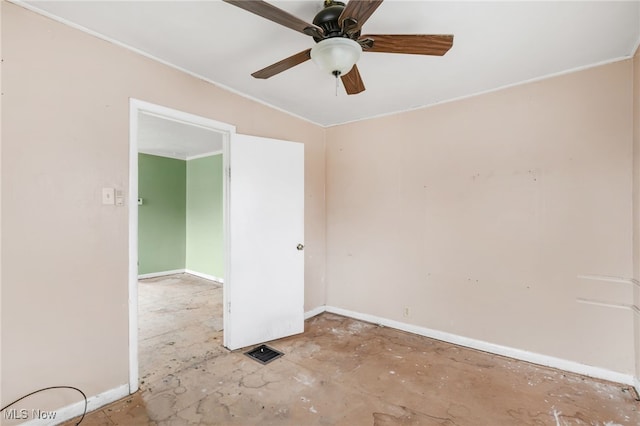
pixel 49 388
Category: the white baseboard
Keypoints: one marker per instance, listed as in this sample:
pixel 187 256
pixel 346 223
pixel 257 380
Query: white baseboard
pixel 161 274
pixel 315 311
pixel 532 357
pixel 75 410
pixel 205 276
pixel 180 271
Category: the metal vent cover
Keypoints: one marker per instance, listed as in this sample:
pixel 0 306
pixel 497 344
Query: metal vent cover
pixel 263 354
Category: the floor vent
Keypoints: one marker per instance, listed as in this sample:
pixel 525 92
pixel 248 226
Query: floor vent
pixel 263 354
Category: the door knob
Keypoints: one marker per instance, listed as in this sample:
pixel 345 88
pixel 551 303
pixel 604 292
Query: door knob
pixel 300 247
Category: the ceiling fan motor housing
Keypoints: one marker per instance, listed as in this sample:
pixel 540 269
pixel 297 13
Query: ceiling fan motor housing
pixel 327 19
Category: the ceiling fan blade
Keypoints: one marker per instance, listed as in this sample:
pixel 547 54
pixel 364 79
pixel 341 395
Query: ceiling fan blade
pixel 352 81
pixel 356 14
pixel 415 44
pixel 283 65
pixel 277 15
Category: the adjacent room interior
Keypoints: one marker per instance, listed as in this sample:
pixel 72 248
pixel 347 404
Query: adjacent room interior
pixel 180 241
pixel 471 227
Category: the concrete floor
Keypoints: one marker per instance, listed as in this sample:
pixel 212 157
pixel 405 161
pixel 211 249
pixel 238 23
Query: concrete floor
pixel 338 372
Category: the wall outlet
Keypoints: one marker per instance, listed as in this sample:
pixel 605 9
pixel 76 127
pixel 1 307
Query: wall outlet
pixel 406 312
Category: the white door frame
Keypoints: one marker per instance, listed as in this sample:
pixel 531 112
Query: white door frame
pixel 137 106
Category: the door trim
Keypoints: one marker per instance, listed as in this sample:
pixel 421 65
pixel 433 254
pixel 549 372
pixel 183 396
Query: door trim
pixel 137 106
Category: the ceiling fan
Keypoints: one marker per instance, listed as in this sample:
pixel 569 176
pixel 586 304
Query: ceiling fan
pixel 337 32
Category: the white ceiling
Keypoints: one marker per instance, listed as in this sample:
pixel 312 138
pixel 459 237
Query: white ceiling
pixel 168 138
pixel 496 44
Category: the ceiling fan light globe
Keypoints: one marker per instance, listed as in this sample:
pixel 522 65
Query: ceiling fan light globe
pixel 336 54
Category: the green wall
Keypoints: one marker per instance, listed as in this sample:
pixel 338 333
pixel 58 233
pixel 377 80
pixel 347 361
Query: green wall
pixel 180 221
pixel 205 241
pixel 162 216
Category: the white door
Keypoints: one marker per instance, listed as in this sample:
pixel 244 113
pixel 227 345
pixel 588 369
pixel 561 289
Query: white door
pixel 264 277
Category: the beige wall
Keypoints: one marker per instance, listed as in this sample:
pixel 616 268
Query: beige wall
pixel 64 137
pixel 480 215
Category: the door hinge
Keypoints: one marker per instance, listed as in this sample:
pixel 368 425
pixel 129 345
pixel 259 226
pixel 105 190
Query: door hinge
pixel 228 307
pixel 229 173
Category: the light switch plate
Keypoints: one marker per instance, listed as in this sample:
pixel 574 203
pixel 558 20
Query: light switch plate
pixel 119 197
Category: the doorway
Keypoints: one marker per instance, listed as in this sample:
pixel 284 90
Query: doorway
pixel 178 136
pixel 263 219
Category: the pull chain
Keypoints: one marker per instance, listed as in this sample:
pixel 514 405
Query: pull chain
pixel 336 73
